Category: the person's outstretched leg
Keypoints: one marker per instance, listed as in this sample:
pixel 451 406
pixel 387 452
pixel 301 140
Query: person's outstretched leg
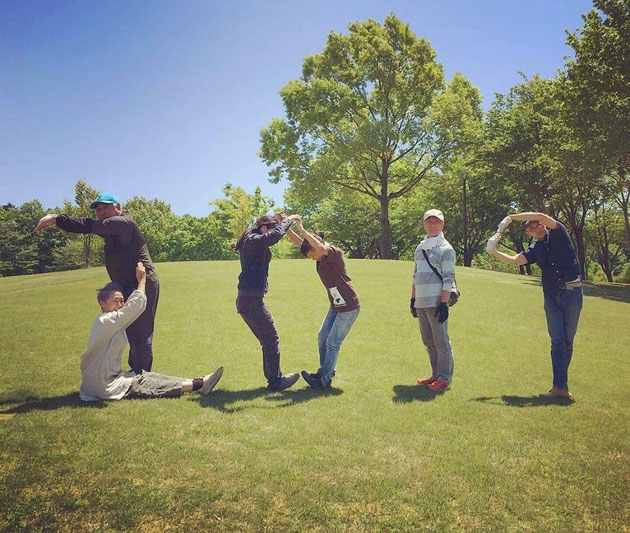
pixel 154 385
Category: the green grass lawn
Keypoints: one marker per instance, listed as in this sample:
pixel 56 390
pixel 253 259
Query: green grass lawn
pixel 374 453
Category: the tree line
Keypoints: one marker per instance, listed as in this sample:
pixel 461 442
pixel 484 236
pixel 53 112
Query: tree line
pixel 373 135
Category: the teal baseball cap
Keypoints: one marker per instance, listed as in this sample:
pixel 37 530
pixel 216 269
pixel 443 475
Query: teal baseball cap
pixel 104 198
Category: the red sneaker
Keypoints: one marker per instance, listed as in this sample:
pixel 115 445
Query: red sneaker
pixel 439 385
pixel 427 381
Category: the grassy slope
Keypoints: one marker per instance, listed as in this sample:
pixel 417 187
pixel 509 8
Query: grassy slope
pixel 374 453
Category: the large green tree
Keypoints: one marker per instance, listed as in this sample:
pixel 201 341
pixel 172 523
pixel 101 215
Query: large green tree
pixel 372 114
pixel 597 93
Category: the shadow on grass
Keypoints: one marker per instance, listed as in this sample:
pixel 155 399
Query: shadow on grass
pixel 617 292
pixel 410 393
pixel 222 399
pixel 29 404
pixel 524 401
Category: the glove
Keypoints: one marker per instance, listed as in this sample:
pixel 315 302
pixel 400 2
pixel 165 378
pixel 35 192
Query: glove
pixel 412 307
pixel 442 313
pixel 493 241
pixel 504 224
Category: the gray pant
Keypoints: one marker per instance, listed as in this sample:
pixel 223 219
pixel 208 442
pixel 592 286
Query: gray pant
pixel 153 385
pixel 435 338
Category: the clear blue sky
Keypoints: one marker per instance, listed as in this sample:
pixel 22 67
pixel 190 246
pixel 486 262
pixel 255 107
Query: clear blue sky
pixel 166 98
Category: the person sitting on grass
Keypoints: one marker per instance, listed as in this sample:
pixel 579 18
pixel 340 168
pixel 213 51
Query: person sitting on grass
pixel 102 377
pixel 344 302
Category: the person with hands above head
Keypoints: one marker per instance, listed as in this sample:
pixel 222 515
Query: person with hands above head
pixel 344 301
pixel 253 248
pixel 102 377
pixel 554 253
pixel 430 294
pixel 124 247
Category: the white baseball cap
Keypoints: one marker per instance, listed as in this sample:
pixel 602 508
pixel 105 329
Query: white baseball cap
pixel 433 213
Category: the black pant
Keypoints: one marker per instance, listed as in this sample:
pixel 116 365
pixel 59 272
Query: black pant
pixel 140 333
pixel 258 317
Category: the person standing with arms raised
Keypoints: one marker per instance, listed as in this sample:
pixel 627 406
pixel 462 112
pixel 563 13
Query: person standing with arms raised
pixel 555 254
pixel 344 302
pixel 253 248
pixel 124 248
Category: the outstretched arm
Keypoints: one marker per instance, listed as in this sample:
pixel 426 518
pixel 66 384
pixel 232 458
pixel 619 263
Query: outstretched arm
pixel 491 247
pixel 518 259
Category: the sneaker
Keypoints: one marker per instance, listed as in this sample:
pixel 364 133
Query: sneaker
pixel 210 381
pixel 557 392
pixel 314 380
pixel 427 381
pixel 284 382
pixel 439 385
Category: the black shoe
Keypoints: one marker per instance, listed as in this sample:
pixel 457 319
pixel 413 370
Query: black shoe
pixel 314 380
pixel 284 382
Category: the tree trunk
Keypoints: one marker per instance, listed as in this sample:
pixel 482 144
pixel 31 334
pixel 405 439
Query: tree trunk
pixel 467 250
pixel 581 249
pixel 87 249
pixel 384 243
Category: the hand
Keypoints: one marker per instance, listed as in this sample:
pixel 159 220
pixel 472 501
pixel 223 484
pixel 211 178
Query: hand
pixel 46 221
pixel 504 224
pixel 441 312
pixel 295 218
pixel 493 242
pixel 141 273
pixel 412 308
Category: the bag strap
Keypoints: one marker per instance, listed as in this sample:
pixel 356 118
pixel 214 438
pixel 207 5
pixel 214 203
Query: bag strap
pixel 432 267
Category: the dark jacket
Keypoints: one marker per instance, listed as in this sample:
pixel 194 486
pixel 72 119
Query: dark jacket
pixel 255 257
pixel 124 245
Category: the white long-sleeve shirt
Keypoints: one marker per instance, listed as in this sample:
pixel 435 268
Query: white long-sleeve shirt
pixel 102 376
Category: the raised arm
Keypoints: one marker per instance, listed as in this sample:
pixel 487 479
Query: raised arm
pixel 294 237
pixel 540 217
pixel 272 236
pixel 111 323
pixel 315 243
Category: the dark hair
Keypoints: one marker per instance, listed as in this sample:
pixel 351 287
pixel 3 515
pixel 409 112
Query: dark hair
pixel 306 246
pixel 269 221
pixel 105 292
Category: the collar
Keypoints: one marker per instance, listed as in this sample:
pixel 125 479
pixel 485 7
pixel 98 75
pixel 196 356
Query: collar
pixel 432 242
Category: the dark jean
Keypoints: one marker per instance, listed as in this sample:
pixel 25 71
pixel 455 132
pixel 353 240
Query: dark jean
pixel 140 332
pixel 258 317
pixel 562 309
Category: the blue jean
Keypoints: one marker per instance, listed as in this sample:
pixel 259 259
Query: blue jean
pixel 331 334
pixel 562 309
